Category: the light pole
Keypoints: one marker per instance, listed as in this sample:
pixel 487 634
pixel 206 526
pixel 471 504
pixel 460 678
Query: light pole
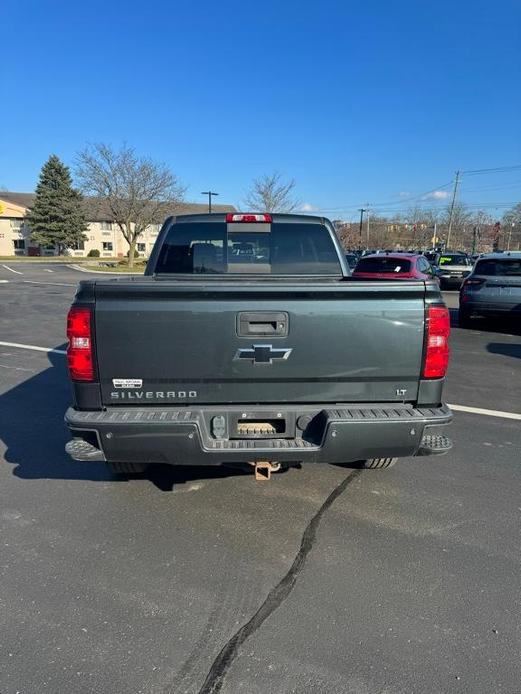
pixel 361 210
pixel 210 194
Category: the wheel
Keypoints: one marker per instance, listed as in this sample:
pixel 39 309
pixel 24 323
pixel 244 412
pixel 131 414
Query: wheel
pixel 464 318
pixel 374 463
pixel 127 468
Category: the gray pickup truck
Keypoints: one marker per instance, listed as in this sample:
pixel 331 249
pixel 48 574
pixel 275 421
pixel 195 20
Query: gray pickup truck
pixel 247 341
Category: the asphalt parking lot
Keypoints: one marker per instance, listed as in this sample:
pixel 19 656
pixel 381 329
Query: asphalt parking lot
pixel 325 580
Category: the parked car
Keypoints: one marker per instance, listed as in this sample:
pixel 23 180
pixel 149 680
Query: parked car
pixel 401 266
pixel 272 357
pixel 431 256
pixel 493 288
pixel 452 268
pixel 352 260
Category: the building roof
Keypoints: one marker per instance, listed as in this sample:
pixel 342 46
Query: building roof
pixel 96 209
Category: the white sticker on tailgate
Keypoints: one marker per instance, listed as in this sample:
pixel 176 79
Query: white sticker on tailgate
pixel 127 382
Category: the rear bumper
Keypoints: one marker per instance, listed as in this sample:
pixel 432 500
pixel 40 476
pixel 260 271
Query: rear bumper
pixel 340 433
pixel 499 308
pixel 454 282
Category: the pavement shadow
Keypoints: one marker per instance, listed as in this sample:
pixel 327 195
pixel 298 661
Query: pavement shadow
pixel 504 348
pixel 33 431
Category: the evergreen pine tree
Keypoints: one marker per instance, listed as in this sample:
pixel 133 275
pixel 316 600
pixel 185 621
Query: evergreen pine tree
pixel 57 216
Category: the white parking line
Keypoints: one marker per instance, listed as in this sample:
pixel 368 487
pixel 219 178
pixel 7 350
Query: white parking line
pixel 4 281
pixel 456 408
pixel 34 348
pixel 487 413
pixel 54 284
pixel 11 270
pixel 47 270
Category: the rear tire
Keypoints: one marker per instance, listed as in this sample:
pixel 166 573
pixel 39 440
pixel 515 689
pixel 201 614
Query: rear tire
pixel 127 468
pixel 464 318
pixel 379 463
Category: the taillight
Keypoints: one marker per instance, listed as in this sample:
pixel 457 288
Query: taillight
pixel 437 342
pixel 241 217
pixel 469 284
pixel 472 282
pixel 79 349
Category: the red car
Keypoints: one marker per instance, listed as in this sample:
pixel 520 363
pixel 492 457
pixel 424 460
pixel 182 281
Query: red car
pixel 394 266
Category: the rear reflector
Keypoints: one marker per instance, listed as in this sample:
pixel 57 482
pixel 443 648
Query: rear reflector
pixel 437 342
pixel 231 217
pixel 79 350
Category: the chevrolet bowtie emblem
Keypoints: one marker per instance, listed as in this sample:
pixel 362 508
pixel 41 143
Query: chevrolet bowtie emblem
pixel 263 354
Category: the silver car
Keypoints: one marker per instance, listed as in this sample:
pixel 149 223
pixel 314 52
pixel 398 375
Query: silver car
pixel 493 288
pixel 451 269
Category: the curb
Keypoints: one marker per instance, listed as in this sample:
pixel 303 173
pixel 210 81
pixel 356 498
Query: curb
pixel 103 272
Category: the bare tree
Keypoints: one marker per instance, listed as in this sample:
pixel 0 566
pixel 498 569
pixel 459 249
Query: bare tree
pixel 512 226
pixel 269 193
pixel 137 190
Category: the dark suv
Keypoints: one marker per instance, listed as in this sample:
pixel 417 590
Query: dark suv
pixel 493 288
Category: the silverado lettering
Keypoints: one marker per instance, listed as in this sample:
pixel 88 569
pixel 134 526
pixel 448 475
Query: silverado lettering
pixel 151 395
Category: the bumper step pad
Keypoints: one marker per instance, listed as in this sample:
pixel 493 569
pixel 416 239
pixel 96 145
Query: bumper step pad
pixel 434 444
pixel 78 449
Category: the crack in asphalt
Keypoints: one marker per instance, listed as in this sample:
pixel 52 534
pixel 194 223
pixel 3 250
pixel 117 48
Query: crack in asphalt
pixel 220 666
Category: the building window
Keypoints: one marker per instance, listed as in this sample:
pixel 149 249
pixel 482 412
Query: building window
pixel 19 244
pixel 141 247
pixel 78 246
pixel 106 226
pixel 107 245
pixel 17 224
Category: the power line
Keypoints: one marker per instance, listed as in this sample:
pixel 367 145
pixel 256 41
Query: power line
pixel 402 201
pixel 507 186
pixel 389 204
pixel 498 169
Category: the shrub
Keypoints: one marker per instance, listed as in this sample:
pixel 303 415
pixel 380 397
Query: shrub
pixel 93 253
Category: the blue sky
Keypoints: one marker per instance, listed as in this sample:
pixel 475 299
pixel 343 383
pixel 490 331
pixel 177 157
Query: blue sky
pixel 358 101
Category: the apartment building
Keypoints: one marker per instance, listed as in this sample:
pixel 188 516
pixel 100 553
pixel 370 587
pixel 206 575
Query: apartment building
pixel 102 234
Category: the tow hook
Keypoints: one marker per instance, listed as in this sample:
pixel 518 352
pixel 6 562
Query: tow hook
pixel 263 470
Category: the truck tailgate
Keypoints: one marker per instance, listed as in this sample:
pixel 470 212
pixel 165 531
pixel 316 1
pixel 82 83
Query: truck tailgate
pixel 171 341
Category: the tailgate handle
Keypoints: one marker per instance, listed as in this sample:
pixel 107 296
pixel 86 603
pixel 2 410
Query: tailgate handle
pixel 260 323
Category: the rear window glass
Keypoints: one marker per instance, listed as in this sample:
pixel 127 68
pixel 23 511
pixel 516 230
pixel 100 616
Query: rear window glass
pixel 454 260
pixel 273 249
pixel 391 265
pixel 499 267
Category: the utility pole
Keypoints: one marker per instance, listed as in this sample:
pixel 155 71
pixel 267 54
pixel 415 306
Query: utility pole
pixel 361 210
pixel 367 224
pixel 210 193
pixel 451 213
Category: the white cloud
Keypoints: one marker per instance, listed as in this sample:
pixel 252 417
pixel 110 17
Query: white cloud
pixel 308 207
pixel 404 194
pixel 436 195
